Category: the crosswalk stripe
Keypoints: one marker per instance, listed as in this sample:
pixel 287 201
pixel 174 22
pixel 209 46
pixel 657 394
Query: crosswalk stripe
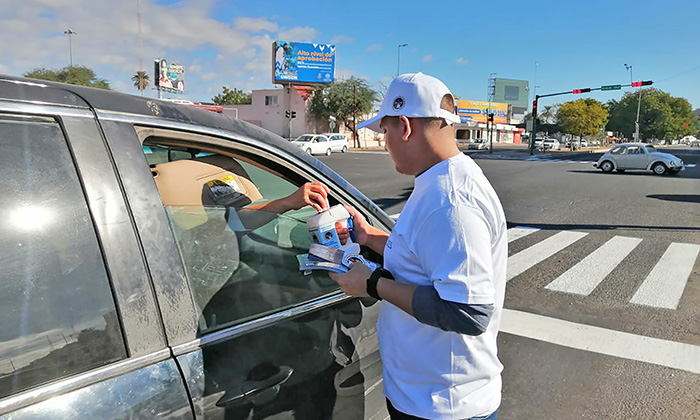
pixel 585 276
pixel 537 253
pixel 664 286
pixel 519 232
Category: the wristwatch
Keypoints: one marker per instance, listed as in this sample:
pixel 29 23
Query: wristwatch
pixel 374 279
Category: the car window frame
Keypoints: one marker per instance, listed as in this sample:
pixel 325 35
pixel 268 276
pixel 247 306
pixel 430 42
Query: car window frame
pixel 181 330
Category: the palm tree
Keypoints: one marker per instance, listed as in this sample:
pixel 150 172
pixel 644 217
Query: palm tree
pixel 140 80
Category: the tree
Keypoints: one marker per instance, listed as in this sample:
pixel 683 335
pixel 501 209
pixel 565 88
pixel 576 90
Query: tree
pixel 345 100
pixel 232 97
pixel 74 75
pixel 584 117
pixel 661 116
pixel 140 80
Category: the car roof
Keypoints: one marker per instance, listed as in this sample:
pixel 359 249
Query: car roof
pixel 634 144
pixel 334 134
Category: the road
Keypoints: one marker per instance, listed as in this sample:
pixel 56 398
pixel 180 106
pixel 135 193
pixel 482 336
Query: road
pixel 602 315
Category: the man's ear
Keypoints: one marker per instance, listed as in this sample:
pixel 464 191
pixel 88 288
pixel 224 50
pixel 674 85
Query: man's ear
pixel 407 128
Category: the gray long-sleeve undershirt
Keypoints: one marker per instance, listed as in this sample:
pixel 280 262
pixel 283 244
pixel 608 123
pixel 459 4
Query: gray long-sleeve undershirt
pixel 430 309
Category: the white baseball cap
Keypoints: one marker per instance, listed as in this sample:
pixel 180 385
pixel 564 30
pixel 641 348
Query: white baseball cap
pixel 414 95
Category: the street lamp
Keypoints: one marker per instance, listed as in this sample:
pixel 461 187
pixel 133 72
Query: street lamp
pixel 70 34
pixel 630 69
pixel 398 59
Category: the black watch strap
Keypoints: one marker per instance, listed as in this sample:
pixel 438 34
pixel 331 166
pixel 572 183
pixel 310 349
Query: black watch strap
pixel 374 279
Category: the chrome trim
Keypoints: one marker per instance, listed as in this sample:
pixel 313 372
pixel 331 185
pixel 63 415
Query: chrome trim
pixel 27 398
pixel 259 323
pixel 41 108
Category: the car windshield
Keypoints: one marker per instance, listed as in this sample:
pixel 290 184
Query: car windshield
pixel 304 138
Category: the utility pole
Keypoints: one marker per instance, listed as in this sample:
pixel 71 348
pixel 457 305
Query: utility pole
pixel 491 93
pixel 70 34
pixel 398 59
pixel 354 109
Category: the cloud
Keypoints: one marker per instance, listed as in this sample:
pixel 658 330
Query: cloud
pixel 300 34
pixel 341 39
pixel 462 61
pixel 208 77
pixel 254 24
pixel 374 47
pixel 428 58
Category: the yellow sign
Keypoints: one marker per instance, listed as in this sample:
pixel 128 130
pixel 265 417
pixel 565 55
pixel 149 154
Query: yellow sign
pixel 476 111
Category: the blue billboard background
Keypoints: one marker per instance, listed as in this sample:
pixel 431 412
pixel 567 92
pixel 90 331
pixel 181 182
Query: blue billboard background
pixel 303 63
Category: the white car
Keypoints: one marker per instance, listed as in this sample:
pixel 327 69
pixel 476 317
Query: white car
pixel 547 144
pixel 478 144
pixel 639 156
pixel 321 144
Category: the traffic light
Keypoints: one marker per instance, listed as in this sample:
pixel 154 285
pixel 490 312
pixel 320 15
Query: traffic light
pixel 575 91
pixel 294 114
pixel 534 106
pixel 287 114
pixel 491 117
pixel 642 83
pixel 290 114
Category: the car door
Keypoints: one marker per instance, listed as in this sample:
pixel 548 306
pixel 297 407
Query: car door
pixel 635 158
pixel 268 340
pixel 321 144
pixel 80 335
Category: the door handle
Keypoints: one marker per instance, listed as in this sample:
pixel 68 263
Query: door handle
pixel 264 389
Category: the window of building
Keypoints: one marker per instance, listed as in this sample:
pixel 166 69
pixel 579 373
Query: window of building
pixel 240 259
pixel 58 312
pixel 271 100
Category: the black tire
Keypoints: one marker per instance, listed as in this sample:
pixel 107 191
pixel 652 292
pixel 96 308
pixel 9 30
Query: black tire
pixel 344 149
pixel 308 151
pixel 622 171
pixel 659 169
pixel 328 152
pixel 607 166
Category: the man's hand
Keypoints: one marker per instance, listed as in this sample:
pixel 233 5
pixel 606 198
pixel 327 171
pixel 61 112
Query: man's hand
pixel 361 227
pixel 314 194
pixel 354 282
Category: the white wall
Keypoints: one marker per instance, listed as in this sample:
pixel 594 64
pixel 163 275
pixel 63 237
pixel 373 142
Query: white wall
pixel 272 117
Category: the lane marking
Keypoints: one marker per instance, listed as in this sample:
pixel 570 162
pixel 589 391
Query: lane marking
pixel 585 276
pixel 520 232
pixel 656 351
pixel 664 286
pixel 539 252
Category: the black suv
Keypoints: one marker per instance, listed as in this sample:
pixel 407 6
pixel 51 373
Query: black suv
pixel 137 283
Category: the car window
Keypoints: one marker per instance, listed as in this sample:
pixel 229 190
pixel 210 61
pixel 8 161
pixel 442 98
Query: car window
pixel 618 150
pixel 633 150
pixel 321 139
pixel 240 261
pixel 58 312
pixel 650 149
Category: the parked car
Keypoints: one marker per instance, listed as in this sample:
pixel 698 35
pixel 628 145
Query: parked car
pixel 322 144
pixel 478 144
pixel 639 156
pixel 547 143
pixel 138 282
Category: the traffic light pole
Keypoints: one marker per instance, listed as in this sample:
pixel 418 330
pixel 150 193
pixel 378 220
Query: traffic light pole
pixel 585 90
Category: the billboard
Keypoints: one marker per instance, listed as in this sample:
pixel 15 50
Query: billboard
pixel 512 92
pixel 170 76
pixel 476 111
pixel 300 63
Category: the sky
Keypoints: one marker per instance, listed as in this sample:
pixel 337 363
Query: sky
pixel 556 45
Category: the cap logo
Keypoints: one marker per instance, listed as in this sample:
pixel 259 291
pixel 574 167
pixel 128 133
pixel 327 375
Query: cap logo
pixel 398 103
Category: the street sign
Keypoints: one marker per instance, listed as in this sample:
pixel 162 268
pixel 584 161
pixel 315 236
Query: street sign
pixel 611 87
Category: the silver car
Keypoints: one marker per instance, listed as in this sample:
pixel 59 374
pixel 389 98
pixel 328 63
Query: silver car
pixel 478 144
pixel 639 156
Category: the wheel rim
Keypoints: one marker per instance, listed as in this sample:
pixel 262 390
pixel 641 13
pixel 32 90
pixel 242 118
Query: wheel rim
pixel 328 152
pixel 607 166
pixel 659 169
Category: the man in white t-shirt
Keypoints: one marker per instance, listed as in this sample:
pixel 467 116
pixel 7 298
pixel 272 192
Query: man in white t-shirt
pixel 444 274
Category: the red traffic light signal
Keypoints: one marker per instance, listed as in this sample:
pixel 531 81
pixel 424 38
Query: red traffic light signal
pixel 575 91
pixel 642 83
pixel 534 105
